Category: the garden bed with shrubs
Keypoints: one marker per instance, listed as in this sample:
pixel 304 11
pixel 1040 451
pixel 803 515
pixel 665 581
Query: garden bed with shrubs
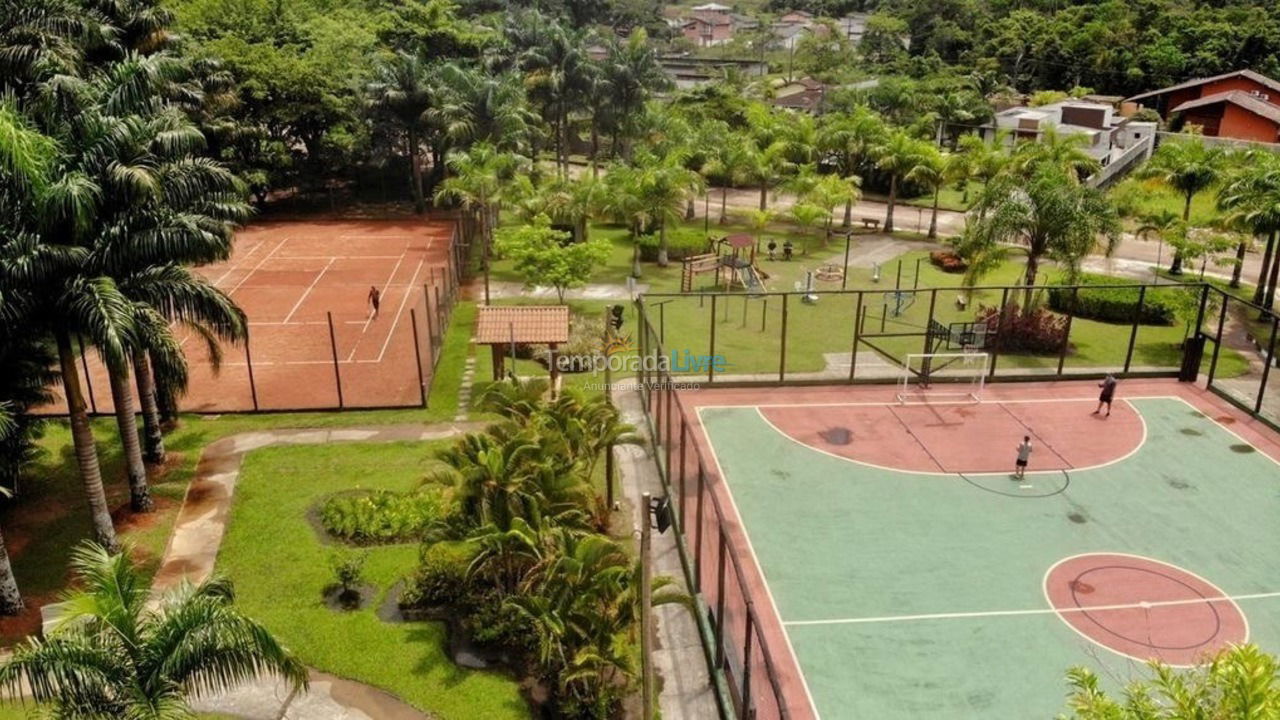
pixel 1101 300
pixel 380 516
pixel 948 261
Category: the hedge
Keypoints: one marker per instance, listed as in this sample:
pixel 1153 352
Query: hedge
pixel 681 243
pixel 1112 304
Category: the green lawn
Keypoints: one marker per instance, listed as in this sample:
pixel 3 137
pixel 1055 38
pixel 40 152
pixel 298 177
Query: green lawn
pixel 280 566
pixel 1147 197
pixel 748 330
pixel 49 517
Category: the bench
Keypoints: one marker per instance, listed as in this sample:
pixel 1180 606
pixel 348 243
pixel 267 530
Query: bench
pixel 870 223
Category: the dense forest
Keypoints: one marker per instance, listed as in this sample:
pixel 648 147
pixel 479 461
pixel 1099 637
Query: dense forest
pixel 1116 46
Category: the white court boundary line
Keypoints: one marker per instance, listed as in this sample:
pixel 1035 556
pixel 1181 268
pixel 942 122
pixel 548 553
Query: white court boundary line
pixel 314 281
pixel 932 473
pixel 755 559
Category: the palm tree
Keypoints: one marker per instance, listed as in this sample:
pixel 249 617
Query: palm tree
pixel 1052 215
pixel 663 187
pixel 1187 167
pixel 850 141
pixel 558 75
pixel 934 170
pixel 114 654
pixel 624 203
pixel 634 74
pixel 479 176
pixel 476 107
pixel 730 160
pixel 1251 197
pixel 1062 150
pixel 402 88
pixel 897 155
pixel 982 254
pixel 808 217
pixel 831 191
pixel 1165 226
pixel 766 167
pixel 1241 681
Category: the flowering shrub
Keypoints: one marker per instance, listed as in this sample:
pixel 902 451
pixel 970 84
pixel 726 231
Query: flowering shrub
pixel 1038 332
pixel 948 261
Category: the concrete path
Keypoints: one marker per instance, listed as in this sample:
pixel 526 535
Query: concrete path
pixel 193 552
pixel 589 292
pixel 678 655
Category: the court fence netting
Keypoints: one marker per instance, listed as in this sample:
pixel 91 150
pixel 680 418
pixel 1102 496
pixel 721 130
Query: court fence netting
pixel 742 641
pixel 331 364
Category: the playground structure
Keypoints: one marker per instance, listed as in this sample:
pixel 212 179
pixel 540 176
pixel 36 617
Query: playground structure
pixel 733 262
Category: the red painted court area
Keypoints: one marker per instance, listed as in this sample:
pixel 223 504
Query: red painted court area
pixel 963 438
pixel 1143 608
pixel 314 342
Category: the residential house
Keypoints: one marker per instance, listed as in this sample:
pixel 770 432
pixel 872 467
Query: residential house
pixel 805 94
pixel 1241 105
pixel 686 71
pixel 1108 136
pixel 713 24
pixel 853 26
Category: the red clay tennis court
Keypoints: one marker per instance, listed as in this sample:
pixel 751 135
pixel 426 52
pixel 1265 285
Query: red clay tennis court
pixel 862 557
pixel 313 341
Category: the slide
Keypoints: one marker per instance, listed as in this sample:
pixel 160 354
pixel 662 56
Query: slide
pixel 751 280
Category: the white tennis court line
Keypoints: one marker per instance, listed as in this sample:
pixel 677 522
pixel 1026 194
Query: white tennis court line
pixel 396 322
pixel 307 292
pixel 1031 611
pixel 182 343
pixel 236 265
pixel 385 286
pixel 755 559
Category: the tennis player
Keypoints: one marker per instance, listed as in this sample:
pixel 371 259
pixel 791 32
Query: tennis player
pixel 1024 454
pixel 375 300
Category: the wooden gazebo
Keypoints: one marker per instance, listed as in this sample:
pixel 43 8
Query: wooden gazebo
pixel 500 326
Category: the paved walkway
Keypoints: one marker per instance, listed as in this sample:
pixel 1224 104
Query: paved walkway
pixel 193 552
pixel 678 657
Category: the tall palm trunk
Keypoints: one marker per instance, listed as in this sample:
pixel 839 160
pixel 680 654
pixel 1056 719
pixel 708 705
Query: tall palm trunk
pixel 10 599
pixel 933 219
pixel 848 213
pixel 893 197
pixel 1238 270
pixel 152 435
pixel 86 449
pixel 1260 291
pixel 127 424
pixel 764 196
pixel 724 203
pixel 595 149
pixel 1269 301
pixel 690 211
pixel 1033 269
pixel 415 164
pixel 662 244
pixel 1175 268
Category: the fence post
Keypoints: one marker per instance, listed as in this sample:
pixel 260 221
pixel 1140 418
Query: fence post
pixel 782 346
pixel 417 354
pixel 337 374
pixel 746 663
pixel 928 335
pixel 88 382
pixel 915 281
pixel 1271 359
pixel 1204 302
pixel 671 396
pixel 1133 334
pixel 764 312
pixel 248 361
pixel 441 317
pixel 995 352
pixel 857 338
pixel 1217 341
pixel 642 328
pixel 1066 331
pixel 711 366
pixel 697 535
pixel 722 557
pixel 684 485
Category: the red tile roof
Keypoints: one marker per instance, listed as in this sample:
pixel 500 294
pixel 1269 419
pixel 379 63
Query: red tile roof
pixel 523 324
pixel 1251 75
pixel 1235 97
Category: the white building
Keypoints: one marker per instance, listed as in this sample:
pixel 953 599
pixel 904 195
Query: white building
pixel 1107 134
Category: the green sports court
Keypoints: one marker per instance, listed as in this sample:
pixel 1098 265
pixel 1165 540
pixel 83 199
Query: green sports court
pixel 895 569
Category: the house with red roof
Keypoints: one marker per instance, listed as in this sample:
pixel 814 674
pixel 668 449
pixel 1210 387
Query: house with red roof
pixel 1241 105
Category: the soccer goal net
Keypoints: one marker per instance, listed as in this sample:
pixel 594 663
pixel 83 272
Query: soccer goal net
pixel 943 377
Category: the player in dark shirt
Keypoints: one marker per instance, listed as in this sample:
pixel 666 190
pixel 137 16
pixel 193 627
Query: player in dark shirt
pixel 1108 386
pixel 375 299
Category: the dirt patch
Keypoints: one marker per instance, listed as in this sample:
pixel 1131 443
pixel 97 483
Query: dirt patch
pixel 17 628
pixel 127 521
pixel 389 611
